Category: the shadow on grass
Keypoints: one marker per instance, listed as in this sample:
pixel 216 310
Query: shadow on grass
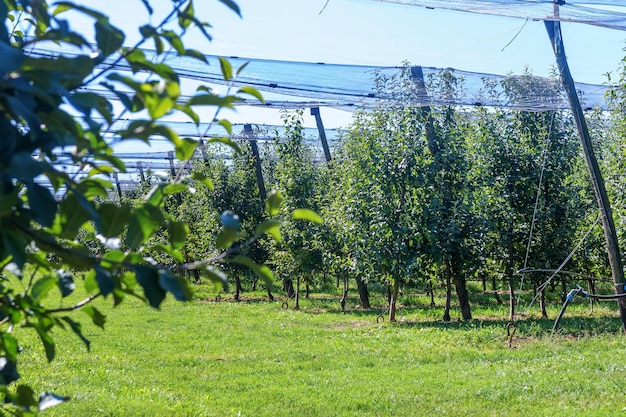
pixel 420 314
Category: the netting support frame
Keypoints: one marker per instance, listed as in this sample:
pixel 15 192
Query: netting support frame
pixel 553 28
pixel 247 131
pixel 315 111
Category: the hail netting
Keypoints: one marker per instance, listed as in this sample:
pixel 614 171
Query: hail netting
pixel 604 13
pixel 355 86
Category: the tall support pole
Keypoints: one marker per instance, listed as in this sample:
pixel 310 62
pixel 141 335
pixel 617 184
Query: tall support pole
pixel 170 156
pixel 247 129
pixel 608 224
pixel 315 111
pixel 117 184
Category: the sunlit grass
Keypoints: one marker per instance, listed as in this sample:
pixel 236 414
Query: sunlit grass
pixel 255 358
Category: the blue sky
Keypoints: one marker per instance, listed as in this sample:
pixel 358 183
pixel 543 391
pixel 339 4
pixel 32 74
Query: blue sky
pixel 373 33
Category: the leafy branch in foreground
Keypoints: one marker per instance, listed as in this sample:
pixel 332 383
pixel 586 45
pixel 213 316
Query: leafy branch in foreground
pixel 47 215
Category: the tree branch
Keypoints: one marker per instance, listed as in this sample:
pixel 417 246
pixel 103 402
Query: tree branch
pixel 76 306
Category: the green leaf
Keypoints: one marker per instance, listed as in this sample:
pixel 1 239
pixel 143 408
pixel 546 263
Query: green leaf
pixel 226 141
pixel 273 202
pixel 308 215
pixel 171 189
pixel 227 125
pixel 227 69
pixel 9 202
pixel 192 53
pixel 148 7
pixel 226 237
pixel 108 37
pixel 217 276
pixel 185 148
pixel 251 91
pixel 94 187
pixel 13 244
pixel 41 203
pixel 177 232
pixel 63 6
pixel 143 223
pixel 189 112
pixel 232 6
pixel 147 32
pixel 12 58
pixel 9 345
pixel 185 18
pixel 167 249
pixel 113 219
pixel 105 280
pixel 96 316
pixel 156 196
pixel 261 271
pixel 175 285
pixel 85 102
pixel 198 176
pixel 148 278
pixel 42 287
pixel 90 283
pixel 272 228
pixel 71 217
pixel 213 100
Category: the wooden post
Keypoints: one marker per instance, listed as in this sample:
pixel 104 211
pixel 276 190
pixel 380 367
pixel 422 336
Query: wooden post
pixel 170 156
pixel 117 183
pixel 608 224
pixel 203 151
pixel 315 111
pixel 247 129
pixel 141 174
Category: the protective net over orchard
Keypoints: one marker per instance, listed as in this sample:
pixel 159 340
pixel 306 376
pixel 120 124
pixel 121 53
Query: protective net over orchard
pixel 291 85
pixel 605 13
pixel 350 87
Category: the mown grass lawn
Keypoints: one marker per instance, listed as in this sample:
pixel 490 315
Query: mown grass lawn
pixel 257 359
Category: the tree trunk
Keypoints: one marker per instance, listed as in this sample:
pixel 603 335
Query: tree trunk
pixel 447 277
pixel 542 303
pixel 307 290
pixel 269 295
pixel 296 305
pixel 237 287
pixel 511 299
pixel 196 276
pixel 461 292
pixel 288 286
pixel 364 295
pixel 254 281
pixel 394 297
pixel 431 292
pixel 344 295
pixel 494 286
pixel 591 286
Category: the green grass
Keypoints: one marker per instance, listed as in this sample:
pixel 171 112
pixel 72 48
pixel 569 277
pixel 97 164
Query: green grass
pixel 257 359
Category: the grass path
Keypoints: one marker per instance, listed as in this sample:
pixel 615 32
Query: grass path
pixel 256 359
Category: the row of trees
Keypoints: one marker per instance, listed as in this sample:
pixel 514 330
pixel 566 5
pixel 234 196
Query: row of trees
pixel 424 197
pixel 414 196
